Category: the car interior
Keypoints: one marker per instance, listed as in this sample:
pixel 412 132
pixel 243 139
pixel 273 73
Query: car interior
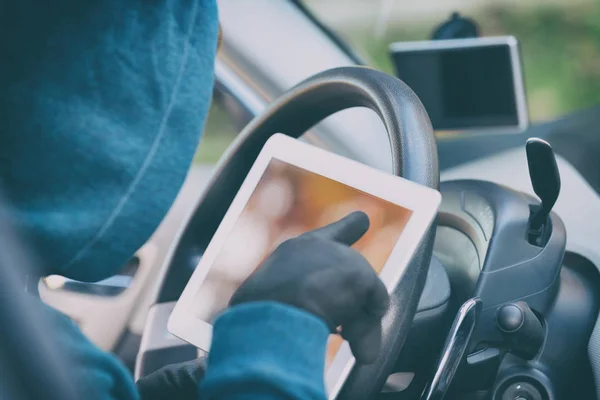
pixel 502 298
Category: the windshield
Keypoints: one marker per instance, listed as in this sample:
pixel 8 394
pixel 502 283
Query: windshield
pixel 560 41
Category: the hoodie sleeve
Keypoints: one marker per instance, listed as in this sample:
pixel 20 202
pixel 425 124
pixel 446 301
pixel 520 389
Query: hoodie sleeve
pixel 266 351
pixel 96 375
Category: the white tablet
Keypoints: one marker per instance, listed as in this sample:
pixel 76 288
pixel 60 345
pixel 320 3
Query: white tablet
pixel 294 187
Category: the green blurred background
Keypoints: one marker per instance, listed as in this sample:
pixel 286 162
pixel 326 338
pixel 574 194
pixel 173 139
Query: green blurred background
pixel 560 47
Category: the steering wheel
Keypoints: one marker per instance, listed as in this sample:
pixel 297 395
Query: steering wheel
pixel 414 157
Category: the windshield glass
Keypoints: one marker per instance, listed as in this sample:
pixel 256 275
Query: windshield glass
pixel 560 40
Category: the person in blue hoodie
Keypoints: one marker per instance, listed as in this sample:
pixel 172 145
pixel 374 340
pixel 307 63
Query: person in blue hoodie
pixel 102 108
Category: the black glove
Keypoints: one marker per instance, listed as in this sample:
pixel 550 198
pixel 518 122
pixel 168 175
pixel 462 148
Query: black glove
pixel 320 273
pixel 177 381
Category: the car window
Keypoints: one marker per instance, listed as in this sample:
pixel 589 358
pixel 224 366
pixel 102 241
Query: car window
pixel 560 40
pixel 219 132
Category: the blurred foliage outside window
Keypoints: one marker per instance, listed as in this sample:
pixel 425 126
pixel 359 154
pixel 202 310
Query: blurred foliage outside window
pixel 560 47
pixel 560 40
pixel 219 132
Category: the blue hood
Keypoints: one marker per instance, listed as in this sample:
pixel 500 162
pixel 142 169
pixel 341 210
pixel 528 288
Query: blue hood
pixel 103 109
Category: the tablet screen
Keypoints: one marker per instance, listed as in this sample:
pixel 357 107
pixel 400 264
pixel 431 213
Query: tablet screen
pixel 286 202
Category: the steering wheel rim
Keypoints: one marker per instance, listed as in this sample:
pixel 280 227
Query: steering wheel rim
pixel 414 157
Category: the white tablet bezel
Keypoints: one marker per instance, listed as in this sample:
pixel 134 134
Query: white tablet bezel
pixel 515 61
pixel 422 201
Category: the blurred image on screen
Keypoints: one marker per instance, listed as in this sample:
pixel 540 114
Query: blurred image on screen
pixel 287 202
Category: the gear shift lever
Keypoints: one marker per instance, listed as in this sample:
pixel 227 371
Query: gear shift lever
pixel 545 179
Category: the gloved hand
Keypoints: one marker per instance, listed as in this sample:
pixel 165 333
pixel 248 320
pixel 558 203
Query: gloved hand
pixel 177 381
pixel 320 273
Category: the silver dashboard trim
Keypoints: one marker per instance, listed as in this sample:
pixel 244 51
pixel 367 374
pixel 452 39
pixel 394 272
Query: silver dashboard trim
pixel 454 349
pixel 238 89
pixel 156 336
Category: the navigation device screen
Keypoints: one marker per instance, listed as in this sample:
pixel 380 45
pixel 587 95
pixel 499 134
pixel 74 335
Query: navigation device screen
pixel 464 87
